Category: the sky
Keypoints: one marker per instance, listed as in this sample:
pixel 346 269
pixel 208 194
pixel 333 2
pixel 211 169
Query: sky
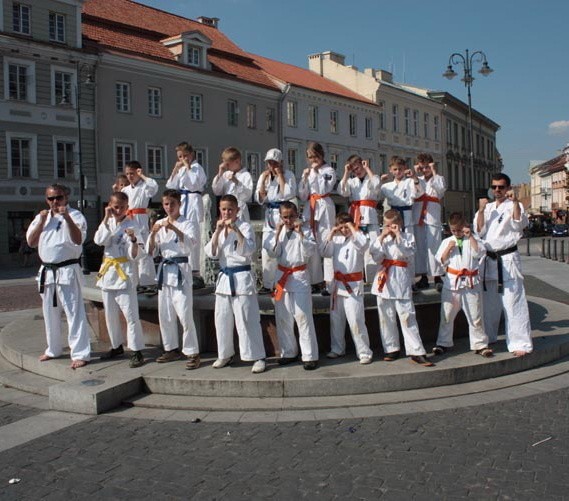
pixel 525 43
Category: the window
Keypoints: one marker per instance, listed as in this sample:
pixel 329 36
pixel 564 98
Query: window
pixel 455 128
pixel 196 108
pixel 123 155
pixel 395 113
pixel 194 55
pixel 20 153
pixel 334 160
pixel 122 96
pixel 334 121
pixel 251 116
pixel 56 27
pixel 407 118
pixel 155 161
pixel 292 159
pixel 65 159
pixel 313 117
pixel 369 127
pixel 449 133
pixel 436 128
pixel 353 124
pixel 232 113
pixel 381 105
pixel 270 118
pixel 63 88
pixel 416 123
pixel 426 125
pixel 253 165
pixel 21 18
pixel 383 163
pixel 463 137
pixel 18 82
pixel 201 158
pixel 154 101
pixel 291 113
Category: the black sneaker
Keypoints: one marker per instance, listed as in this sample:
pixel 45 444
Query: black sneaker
pixel 264 291
pixel 391 356
pixel 439 350
pixel 423 283
pixel 325 292
pixel 197 282
pixel 113 353
pixel 136 360
pixel 286 360
pixel 311 365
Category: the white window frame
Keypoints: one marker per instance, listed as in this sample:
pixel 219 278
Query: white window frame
pixel 33 153
pixel 194 55
pixel 251 116
pixel 232 113
pixel 120 93
pixel 201 158
pixel 154 96
pixel 395 117
pixel 407 121
pixel 312 117
pixel 68 140
pixel 152 172
pixel 381 106
pixel 416 123
pixel 270 119
pixel 30 79
pixel 426 125
pixel 58 17
pixel 120 143
pixel 436 131
pixel 369 127
pixel 20 27
pixel 71 98
pixel 253 162
pixel 353 124
pixel 196 107
pixel 292 154
pixel 334 122
pixel 334 159
pixel 292 113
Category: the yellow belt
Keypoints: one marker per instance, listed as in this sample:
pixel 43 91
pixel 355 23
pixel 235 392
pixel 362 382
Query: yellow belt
pixel 116 262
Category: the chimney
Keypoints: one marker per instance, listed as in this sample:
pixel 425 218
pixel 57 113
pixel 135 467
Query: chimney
pixel 209 21
pixel 384 75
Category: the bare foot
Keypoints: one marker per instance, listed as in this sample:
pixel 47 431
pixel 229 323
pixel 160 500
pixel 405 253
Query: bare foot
pixel 76 364
pixel 44 358
pixel 520 353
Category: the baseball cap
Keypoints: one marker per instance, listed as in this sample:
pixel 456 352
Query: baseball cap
pixel 275 155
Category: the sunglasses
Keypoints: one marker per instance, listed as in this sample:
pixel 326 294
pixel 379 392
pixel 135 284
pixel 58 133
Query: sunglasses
pixel 56 197
pixel 498 187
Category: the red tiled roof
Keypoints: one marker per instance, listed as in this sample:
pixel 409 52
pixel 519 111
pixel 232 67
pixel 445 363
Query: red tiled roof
pixel 302 77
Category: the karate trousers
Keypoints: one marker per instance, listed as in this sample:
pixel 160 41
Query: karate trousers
pixel 125 301
pixel 388 310
pixel 350 308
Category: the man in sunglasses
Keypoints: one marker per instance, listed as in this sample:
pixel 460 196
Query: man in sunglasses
pixel 500 225
pixel 59 233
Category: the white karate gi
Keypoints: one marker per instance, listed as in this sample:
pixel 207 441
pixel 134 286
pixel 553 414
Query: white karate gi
pixel 272 217
pixel 348 257
pixel 175 300
pixel 242 190
pixel 356 189
pixel 55 246
pixel 240 309
pixel 402 194
pixel 320 183
pixel 119 295
pixel 461 292
pixel 396 297
pixel 296 304
pixel 191 182
pixel 429 234
pixel 139 197
pixel 500 232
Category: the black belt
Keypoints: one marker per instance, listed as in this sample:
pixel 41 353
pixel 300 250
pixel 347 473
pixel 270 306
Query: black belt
pixel 54 267
pixel 176 260
pixel 230 272
pixel 188 192
pixel 497 256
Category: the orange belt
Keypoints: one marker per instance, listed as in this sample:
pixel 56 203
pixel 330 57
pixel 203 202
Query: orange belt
pixel 312 200
pixel 465 272
pixel 382 275
pixel 345 278
pixel 355 209
pixel 287 272
pixel 425 199
pixel 131 212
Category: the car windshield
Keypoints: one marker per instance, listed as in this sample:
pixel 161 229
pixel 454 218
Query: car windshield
pixel 560 227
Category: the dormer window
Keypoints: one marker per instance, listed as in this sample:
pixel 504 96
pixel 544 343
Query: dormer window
pixel 190 48
pixel 194 55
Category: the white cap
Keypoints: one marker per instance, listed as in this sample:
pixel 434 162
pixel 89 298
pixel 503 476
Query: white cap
pixel 275 155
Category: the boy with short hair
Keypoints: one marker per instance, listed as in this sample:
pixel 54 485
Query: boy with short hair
pixel 117 278
pixel 175 237
pixel 140 191
pixel 394 251
pixel 121 181
pixel 293 246
pixel 233 179
pixel 233 243
pixel 346 245
pixel 459 254
pixel 188 177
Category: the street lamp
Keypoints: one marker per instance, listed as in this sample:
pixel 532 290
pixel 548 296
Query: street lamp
pixel 466 60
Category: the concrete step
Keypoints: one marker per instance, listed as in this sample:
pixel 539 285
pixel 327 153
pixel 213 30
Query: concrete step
pixel 19 379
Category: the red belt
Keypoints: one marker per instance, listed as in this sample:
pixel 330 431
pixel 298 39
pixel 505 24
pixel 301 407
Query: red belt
pixel 425 199
pixel 131 212
pixel 465 272
pixel 382 275
pixel 355 209
pixel 287 272
pixel 312 200
pixel 345 278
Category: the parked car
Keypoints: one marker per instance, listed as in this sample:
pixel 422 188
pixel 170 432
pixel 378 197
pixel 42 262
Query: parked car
pixel 560 230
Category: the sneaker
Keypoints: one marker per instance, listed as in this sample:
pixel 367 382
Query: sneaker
pixel 222 362
pixel 197 282
pixel 333 355
pixel 325 292
pixel 310 365
pixel 263 291
pixel 193 361
pixel 421 360
pixel 316 288
pixel 113 353
pixel 423 283
pixel 439 350
pixel 136 360
pixel 168 356
pixel 365 360
pixel 259 366
pixel 287 360
pixel 391 356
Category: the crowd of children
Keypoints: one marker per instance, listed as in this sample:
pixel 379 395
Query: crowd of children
pixel 320 252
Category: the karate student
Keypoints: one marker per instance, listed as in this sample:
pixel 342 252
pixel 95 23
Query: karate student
pixel 59 233
pixel 500 225
pixel 174 237
pixel 276 184
pixel 315 188
pixel 233 243
pixel 459 255
pixel 117 278
pixel 140 190
pixel 293 246
pixel 233 179
pixel 121 181
pixel 427 221
pixel 188 177
pixel 394 251
pixel 346 245
pixel 362 187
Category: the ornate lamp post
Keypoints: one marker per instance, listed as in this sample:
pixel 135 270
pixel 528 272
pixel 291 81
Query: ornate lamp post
pixel 466 60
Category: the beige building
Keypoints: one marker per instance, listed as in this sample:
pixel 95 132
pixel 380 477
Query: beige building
pixel 550 188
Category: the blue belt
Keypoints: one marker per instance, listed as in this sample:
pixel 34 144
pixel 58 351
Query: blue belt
pixel 230 272
pixel 274 205
pixel 175 261
pixel 186 193
pixel 402 209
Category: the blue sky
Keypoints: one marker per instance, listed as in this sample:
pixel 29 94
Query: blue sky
pixel 525 41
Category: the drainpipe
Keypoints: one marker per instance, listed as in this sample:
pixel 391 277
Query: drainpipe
pixel 282 97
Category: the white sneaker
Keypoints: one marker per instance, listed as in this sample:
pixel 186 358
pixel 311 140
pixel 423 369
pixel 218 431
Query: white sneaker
pixel 258 367
pixel 333 355
pixel 222 362
pixel 364 360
